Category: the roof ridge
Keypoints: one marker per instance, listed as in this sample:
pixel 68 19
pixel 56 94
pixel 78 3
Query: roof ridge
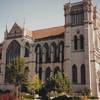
pixel 47 28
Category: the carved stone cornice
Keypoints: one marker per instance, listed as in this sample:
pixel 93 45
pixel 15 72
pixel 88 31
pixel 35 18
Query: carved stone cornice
pixel 87 5
pixel 67 8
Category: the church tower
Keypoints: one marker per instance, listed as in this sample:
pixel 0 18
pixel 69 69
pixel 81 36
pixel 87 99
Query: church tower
pixel 79 60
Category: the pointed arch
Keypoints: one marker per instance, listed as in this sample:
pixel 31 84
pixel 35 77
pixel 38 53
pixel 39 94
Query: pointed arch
pixel 37 48
pixel 13 51
pixel 38 51
pixel 74 74
pixel 83 74
pixel 81 42
pixel 46 53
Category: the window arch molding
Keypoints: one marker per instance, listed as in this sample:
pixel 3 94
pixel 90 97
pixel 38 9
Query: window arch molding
pixel 13 51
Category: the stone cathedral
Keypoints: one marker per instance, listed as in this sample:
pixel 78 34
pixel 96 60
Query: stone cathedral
pixel 72 49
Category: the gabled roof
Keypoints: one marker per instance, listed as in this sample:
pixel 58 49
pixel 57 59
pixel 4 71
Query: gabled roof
pixel 15 29
pixel 42 33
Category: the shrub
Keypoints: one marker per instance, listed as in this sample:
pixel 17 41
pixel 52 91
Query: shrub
pixel 86 91
pixel 93 97
pixel 59 83
pixel 35 84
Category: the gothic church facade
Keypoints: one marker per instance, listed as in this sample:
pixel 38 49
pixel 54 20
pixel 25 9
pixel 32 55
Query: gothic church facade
pixel 72 49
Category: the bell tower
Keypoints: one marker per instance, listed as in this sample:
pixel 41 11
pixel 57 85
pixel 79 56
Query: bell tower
pixel 78 38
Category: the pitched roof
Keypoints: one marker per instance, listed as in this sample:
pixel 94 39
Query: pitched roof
pixel 16 28
pixel 42 33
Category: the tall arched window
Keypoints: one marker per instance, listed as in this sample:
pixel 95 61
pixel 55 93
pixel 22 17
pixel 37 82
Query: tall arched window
pixel 13 51
pixel 53 52
pixel 27 50
pixel 81 42
pixel 46 53
pixel 38 52
pixel 74 74
pixel 47 73
pixel 40 73
pixel 83 73
pixel 56 70
pixel 61 51
pixel 75 42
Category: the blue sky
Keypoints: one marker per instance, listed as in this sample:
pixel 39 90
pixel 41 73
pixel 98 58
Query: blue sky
pixel 36 13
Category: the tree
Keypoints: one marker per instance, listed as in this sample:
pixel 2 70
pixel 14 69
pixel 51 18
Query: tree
pixel 58 83
pixel 35 84
pixel 15 74
pixel 15 71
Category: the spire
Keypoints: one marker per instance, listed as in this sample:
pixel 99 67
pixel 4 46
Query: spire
pixel 6 31
pixel 24 25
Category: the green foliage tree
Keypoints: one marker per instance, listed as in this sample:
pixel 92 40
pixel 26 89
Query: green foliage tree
pixel 15 71
pixel 35 84
pixel 58 83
